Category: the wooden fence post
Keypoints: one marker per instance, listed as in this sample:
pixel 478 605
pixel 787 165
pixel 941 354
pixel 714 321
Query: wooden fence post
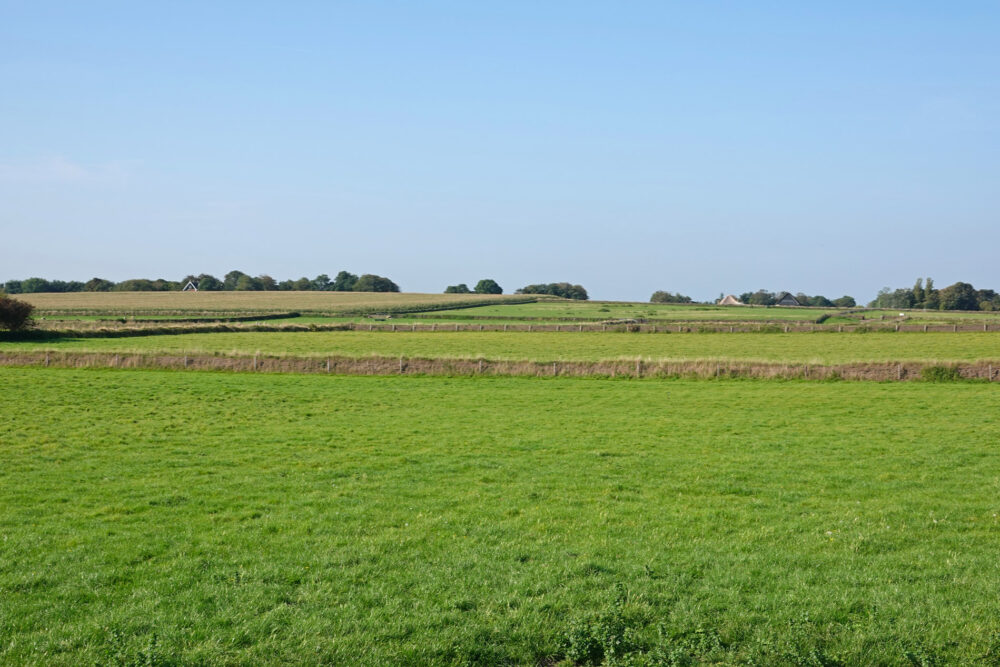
pixel 638 368
pixel 328 364
pixel 400 363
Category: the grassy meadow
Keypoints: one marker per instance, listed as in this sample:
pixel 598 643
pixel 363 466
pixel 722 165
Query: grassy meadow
pixel 206 518
pixel 793 348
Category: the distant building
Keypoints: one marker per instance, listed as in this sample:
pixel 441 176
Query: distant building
pixel 190 287
pixel 730 300
pixel 786 299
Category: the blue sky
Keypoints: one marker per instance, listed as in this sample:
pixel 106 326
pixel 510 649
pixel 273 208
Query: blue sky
pixel 704 147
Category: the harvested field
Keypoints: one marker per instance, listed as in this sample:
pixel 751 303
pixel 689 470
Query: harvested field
pixel 238 302
pixel 792 348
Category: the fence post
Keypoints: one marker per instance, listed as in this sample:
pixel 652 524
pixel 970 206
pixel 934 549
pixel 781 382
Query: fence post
pixel 954 328
pixel 505 328
pixel 480 366
pixel 400 363
pixel 185 361
pixel 46 358
pixel 328 364
pixel 638 368
pixel 899 371
pixel 555 371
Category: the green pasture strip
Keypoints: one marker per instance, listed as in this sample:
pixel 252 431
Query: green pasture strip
pixel 804 348
pixel 204 518
pixel 563 309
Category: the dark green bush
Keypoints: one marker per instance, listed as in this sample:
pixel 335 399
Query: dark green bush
pixel 15 315
pixel 940 374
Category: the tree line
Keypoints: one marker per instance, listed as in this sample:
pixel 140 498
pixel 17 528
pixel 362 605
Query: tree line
pixel 232 281
pixel 765 298
pixel 960 296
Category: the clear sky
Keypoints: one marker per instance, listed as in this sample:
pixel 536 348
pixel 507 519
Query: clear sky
pixel 700 147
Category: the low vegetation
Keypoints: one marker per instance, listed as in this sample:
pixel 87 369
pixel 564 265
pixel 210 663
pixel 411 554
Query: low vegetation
pixel 15 315
pixel 801 348
pixel 208 518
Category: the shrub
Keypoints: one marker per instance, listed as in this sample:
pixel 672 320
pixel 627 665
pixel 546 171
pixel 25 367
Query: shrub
pixel 14 314
pixel 940 374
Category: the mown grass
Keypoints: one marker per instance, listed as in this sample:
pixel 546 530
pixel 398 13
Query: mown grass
pixel 562 309
pixel 792 348
pixel 205 518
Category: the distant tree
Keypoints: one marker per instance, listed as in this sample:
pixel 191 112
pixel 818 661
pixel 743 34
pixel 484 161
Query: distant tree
pixel 344 282
pixel 564 290
pixel 208 283
pixel 960 296
pixel 12 287
pixel 460 288
pixel 932 297
pixel 230 280
pixel 303 284
pixel 246 283
pixel 33 285
pixel 488 286
pixel 134 285
pixel 820 301
pixel 266 282
pixel 668 297
pixel 98 285
pixel 286 285
pixel 919 296
pixel 372 283
pixel 14 313
pixel 745 297
pixel 321 282
pixel 761 298
pixel 845 302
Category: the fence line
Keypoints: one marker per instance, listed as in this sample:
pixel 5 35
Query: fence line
pixel 376 365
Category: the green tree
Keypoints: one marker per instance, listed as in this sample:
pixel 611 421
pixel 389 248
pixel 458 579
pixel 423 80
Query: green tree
pixel 845 302
pixel 668 297
pixel 14 313
pixel 246 283
pixel 266 282
pixel 960 296
pixel 488 286
pixel 460 288
pixel 321 282
pixel 564 290
pixel 344 282
pixel 98 285
pixel 918 294
pixel 230 280
pixel 372 283
pixel 208 283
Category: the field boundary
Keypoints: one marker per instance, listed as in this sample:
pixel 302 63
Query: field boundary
pixel 101 329
pixel 382 365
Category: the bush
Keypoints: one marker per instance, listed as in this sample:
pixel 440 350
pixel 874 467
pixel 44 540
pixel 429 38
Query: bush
pixel 939 374
pixel 460 288
pixel 488 286
pixel 564 290
pixel 14 315
pixel 666 297
pixel 372 283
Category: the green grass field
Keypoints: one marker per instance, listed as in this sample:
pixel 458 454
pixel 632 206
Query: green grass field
pixel 207 518
pixel 812 348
